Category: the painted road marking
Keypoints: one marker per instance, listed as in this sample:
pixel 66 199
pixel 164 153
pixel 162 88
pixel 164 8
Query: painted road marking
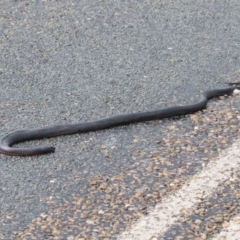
pixel 201 185
pixel 232 232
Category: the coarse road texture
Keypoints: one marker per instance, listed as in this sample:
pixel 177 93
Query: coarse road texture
pixel 71 61
pixel 177 206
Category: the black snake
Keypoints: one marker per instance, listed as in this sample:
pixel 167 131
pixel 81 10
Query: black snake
pixel 48 132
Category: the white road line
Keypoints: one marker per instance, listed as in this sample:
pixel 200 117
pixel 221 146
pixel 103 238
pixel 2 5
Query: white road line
pixel 232 232
pixel 201 185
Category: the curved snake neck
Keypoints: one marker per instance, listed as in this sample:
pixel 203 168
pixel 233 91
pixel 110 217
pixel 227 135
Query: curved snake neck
pixel 48 132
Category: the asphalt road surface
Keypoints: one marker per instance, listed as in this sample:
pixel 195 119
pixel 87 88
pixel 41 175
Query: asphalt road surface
pixel 72 61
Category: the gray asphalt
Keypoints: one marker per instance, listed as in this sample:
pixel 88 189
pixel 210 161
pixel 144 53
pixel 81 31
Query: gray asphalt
pixel 71 61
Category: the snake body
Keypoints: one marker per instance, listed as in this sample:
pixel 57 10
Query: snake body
pixel 18 136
